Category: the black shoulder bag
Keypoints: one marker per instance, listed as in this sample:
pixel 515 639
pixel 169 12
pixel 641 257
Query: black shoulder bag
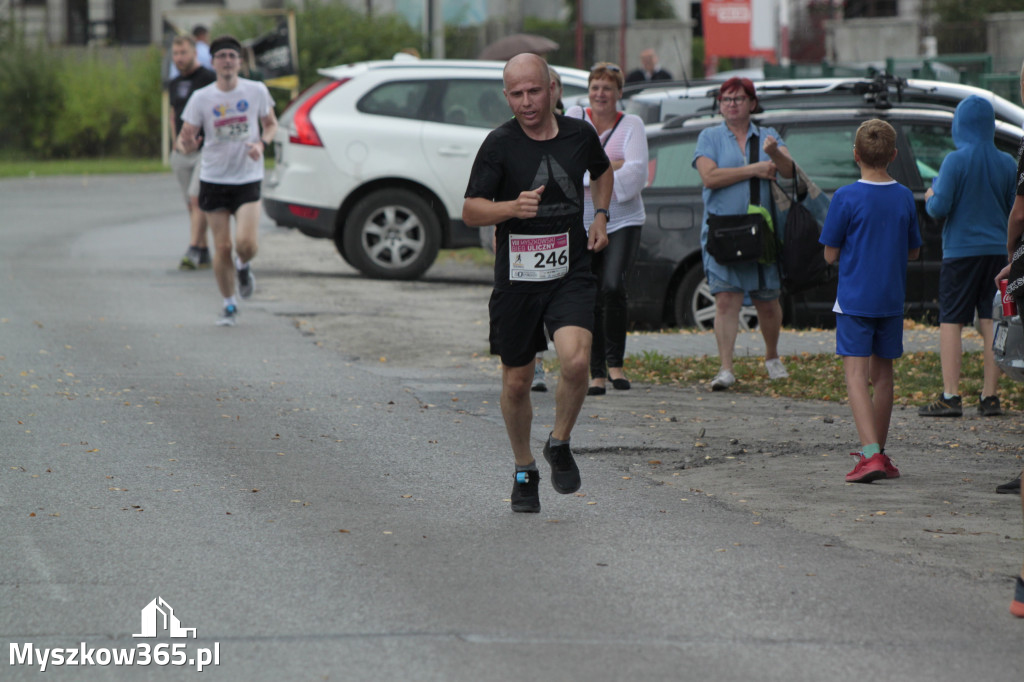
pixel 745 237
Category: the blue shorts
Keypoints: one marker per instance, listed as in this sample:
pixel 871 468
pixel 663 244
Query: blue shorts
pixel 967 285
pixel 862 337
pixel 720 286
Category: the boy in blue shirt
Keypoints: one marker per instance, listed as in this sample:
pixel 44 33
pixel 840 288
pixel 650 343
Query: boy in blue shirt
pixel 871 229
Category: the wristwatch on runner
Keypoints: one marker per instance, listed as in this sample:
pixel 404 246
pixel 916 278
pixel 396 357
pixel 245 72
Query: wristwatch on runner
pixel 607 215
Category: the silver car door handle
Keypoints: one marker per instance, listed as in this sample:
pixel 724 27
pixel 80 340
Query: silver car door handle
pixel 453 151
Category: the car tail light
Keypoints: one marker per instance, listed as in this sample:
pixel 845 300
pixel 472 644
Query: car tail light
pixel 302 130
pixel 307 212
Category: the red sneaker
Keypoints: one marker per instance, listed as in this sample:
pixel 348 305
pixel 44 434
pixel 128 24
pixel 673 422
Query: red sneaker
pixel 890 469
pixel 868 469
pixel 1017 605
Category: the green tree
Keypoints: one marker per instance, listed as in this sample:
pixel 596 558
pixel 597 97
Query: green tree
pixel 330 33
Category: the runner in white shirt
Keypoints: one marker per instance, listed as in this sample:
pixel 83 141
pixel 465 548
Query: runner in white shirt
pixel 230 113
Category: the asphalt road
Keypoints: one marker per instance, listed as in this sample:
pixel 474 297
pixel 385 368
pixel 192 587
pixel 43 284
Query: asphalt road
pixel 318 515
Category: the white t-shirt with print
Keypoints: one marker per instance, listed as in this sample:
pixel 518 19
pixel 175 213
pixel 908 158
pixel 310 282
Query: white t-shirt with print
pixel 229 120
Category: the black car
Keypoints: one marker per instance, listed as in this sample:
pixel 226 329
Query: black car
pixel 667 285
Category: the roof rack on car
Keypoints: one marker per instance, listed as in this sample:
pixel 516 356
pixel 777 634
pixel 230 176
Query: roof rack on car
pixel 680 121
pixel 636 87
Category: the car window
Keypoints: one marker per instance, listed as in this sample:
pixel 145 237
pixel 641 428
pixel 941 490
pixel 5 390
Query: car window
pixel 671 160
pixel 930 144
pixel 403 99
pixel 570 91
pixel 825 153
pixel 476 103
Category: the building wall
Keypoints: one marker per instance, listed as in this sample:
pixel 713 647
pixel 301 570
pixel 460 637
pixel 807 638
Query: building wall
pixel 671 40
pixel 872 40
pixel 1005 32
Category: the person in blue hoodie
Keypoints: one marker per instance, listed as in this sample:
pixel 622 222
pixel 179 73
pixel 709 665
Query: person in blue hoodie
pixel 974 192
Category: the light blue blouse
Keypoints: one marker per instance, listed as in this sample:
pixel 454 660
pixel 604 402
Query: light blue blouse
pixel 720 145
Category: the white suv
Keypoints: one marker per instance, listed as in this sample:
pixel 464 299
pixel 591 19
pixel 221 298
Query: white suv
pixel 377 155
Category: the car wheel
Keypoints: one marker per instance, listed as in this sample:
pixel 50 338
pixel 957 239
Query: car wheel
pixel 695 306
pixel 339 244
pixel 391 234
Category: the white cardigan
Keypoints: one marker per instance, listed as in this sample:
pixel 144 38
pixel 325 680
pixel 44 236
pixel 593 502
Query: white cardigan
pixel 628 143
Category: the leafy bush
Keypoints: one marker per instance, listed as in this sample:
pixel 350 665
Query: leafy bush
pixel 78 104
pixel 72 104
pixel 32 98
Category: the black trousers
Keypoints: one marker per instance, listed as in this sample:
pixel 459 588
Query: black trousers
pixel 611 318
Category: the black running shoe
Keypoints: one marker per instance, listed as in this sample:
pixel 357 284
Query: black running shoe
pixel 989 407
pixel 1010 487
pixel 524 492
pixel 943 407
pixel 565 475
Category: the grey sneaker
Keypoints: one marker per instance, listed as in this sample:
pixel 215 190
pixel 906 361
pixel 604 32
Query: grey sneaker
pixel 776 370
pixel 246 281
pixel 190 261
pixel 723 380
pixel 205 261
pixel 229 317
pixel 943 407
pixel 539 383
pixel 989 407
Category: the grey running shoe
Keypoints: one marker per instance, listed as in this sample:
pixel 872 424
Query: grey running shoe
pixel 246 281
pixel 539 383
pixel 524 492
pixel 989 407
pixel 205 261
pixel 229 317
pixel 565 475
pixel 943 407
pixel 723 380
pixel 190 261
pixel 776 370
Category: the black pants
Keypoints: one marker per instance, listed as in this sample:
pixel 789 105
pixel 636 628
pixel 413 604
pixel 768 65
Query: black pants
pixel 610 314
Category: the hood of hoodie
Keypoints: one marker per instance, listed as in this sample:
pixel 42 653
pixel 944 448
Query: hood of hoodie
pixel 974 122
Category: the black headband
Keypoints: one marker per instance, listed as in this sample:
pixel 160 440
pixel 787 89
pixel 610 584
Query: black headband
pixel 225 42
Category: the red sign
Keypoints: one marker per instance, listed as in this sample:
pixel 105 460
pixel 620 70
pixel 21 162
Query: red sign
pixel 728 30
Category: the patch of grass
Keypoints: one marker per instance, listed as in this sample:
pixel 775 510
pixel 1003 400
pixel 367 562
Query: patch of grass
pixel 476 255
pixel 820 377
pixel 19 168
pixel 29 168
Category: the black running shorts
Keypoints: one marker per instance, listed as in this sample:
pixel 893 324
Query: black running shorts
pixel 518 319
pixel 215 197
pixel 967 286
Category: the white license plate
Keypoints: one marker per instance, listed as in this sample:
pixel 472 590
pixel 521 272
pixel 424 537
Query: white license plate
pixel 999 342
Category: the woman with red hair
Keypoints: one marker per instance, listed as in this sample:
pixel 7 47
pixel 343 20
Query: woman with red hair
pixel 724 160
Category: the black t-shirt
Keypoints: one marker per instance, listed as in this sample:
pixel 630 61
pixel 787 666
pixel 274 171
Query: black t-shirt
pixel 510 162
pixel 1016 275
pixel 182 87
